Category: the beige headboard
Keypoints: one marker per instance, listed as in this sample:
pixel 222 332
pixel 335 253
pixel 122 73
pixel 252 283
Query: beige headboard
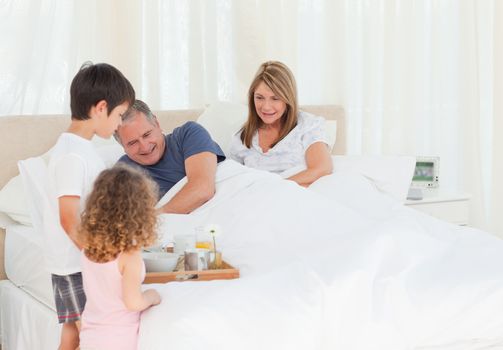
pixel 27 136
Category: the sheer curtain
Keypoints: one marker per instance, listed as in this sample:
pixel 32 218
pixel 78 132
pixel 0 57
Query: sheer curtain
pixel 43 44
pixel 415 77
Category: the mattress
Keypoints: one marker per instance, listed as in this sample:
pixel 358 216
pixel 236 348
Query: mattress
pixel 24 263
pixel 26 323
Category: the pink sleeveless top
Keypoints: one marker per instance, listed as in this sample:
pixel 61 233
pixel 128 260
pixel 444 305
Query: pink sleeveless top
pixel 106 322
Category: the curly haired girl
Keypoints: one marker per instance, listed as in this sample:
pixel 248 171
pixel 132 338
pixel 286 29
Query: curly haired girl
pixel 119 219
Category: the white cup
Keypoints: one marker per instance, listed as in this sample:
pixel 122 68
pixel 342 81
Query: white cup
pixel 183 242
pixel 196 259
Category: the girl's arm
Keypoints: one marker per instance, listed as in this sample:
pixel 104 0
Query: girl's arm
pixel 130 265
pixel 319 163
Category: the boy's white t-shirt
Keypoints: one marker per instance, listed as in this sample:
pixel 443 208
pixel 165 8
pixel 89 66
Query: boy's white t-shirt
pixel 73 166
pixel 287 154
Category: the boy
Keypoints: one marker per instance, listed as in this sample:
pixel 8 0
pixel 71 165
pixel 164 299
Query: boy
pixel 99 95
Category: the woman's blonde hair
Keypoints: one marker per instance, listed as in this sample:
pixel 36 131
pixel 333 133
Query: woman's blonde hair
pixel 120 214
pixel 278 77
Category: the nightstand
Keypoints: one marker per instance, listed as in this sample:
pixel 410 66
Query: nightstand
pixel 451 207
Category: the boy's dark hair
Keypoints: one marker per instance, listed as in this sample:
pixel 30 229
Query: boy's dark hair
pixel 96 82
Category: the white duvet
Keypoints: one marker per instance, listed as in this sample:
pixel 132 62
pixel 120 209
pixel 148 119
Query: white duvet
pixel 336 266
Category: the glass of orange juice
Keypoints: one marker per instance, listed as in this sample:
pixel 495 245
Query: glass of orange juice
pixel 203 239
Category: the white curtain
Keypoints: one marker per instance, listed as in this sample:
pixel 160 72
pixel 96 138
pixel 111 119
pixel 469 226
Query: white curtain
pixel 416 77
pixel 493 184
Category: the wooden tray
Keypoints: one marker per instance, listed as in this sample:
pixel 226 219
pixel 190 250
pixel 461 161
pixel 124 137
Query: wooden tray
pixel 227 272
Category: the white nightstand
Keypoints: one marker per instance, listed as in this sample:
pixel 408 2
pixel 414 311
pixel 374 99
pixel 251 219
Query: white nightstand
pixel 451 207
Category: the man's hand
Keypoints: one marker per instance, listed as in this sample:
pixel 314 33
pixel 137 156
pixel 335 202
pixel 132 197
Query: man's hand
pixel 200 186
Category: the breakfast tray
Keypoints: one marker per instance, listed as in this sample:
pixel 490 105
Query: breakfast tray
pixel 227 272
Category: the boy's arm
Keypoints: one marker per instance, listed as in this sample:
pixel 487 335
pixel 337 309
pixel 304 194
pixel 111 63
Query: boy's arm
pixel 69 216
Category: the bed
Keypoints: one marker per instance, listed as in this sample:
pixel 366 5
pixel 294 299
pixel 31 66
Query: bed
pixel 342 264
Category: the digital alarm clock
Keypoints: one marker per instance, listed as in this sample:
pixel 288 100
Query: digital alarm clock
pixel 426 172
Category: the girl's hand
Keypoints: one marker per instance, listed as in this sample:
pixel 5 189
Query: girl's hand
pixel 153 296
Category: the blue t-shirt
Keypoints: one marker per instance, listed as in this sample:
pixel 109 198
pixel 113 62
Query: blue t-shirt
pixel 185 141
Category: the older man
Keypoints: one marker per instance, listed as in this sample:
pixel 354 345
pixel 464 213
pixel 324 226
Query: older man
pixel 187 151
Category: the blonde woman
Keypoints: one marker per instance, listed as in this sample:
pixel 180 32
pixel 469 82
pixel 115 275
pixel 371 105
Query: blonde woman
pixel 119 219
pixel 277 137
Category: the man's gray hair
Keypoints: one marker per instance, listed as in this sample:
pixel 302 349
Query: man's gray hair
pixel 137 107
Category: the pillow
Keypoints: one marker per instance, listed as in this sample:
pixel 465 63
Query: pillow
pixel 331 132
pixel 33 172
pixel 13 197
pixel 5 220
pixel 13 201
pixel 110 154
pixel 223 120
pixel 390 174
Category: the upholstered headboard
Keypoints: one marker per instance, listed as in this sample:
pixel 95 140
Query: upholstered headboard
pixel 27 136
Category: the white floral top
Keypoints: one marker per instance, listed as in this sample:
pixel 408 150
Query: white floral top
pixel 288 153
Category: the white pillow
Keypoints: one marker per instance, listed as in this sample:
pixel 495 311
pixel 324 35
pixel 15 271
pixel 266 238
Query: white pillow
pixel 14 200
pixel 33 172
pixel 331 132
pixel 223 120
pixel 390 174
pixel 110 154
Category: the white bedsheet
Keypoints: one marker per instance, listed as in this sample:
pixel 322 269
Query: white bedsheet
pixel 339 266
pixel 336 266
pixel 24 263
pixel 27 324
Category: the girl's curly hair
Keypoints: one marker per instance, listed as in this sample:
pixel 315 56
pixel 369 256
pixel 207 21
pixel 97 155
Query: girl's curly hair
pixel 120 214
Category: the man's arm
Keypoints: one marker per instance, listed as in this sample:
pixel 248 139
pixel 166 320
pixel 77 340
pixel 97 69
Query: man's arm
pixel 69 216
pixel 200 186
